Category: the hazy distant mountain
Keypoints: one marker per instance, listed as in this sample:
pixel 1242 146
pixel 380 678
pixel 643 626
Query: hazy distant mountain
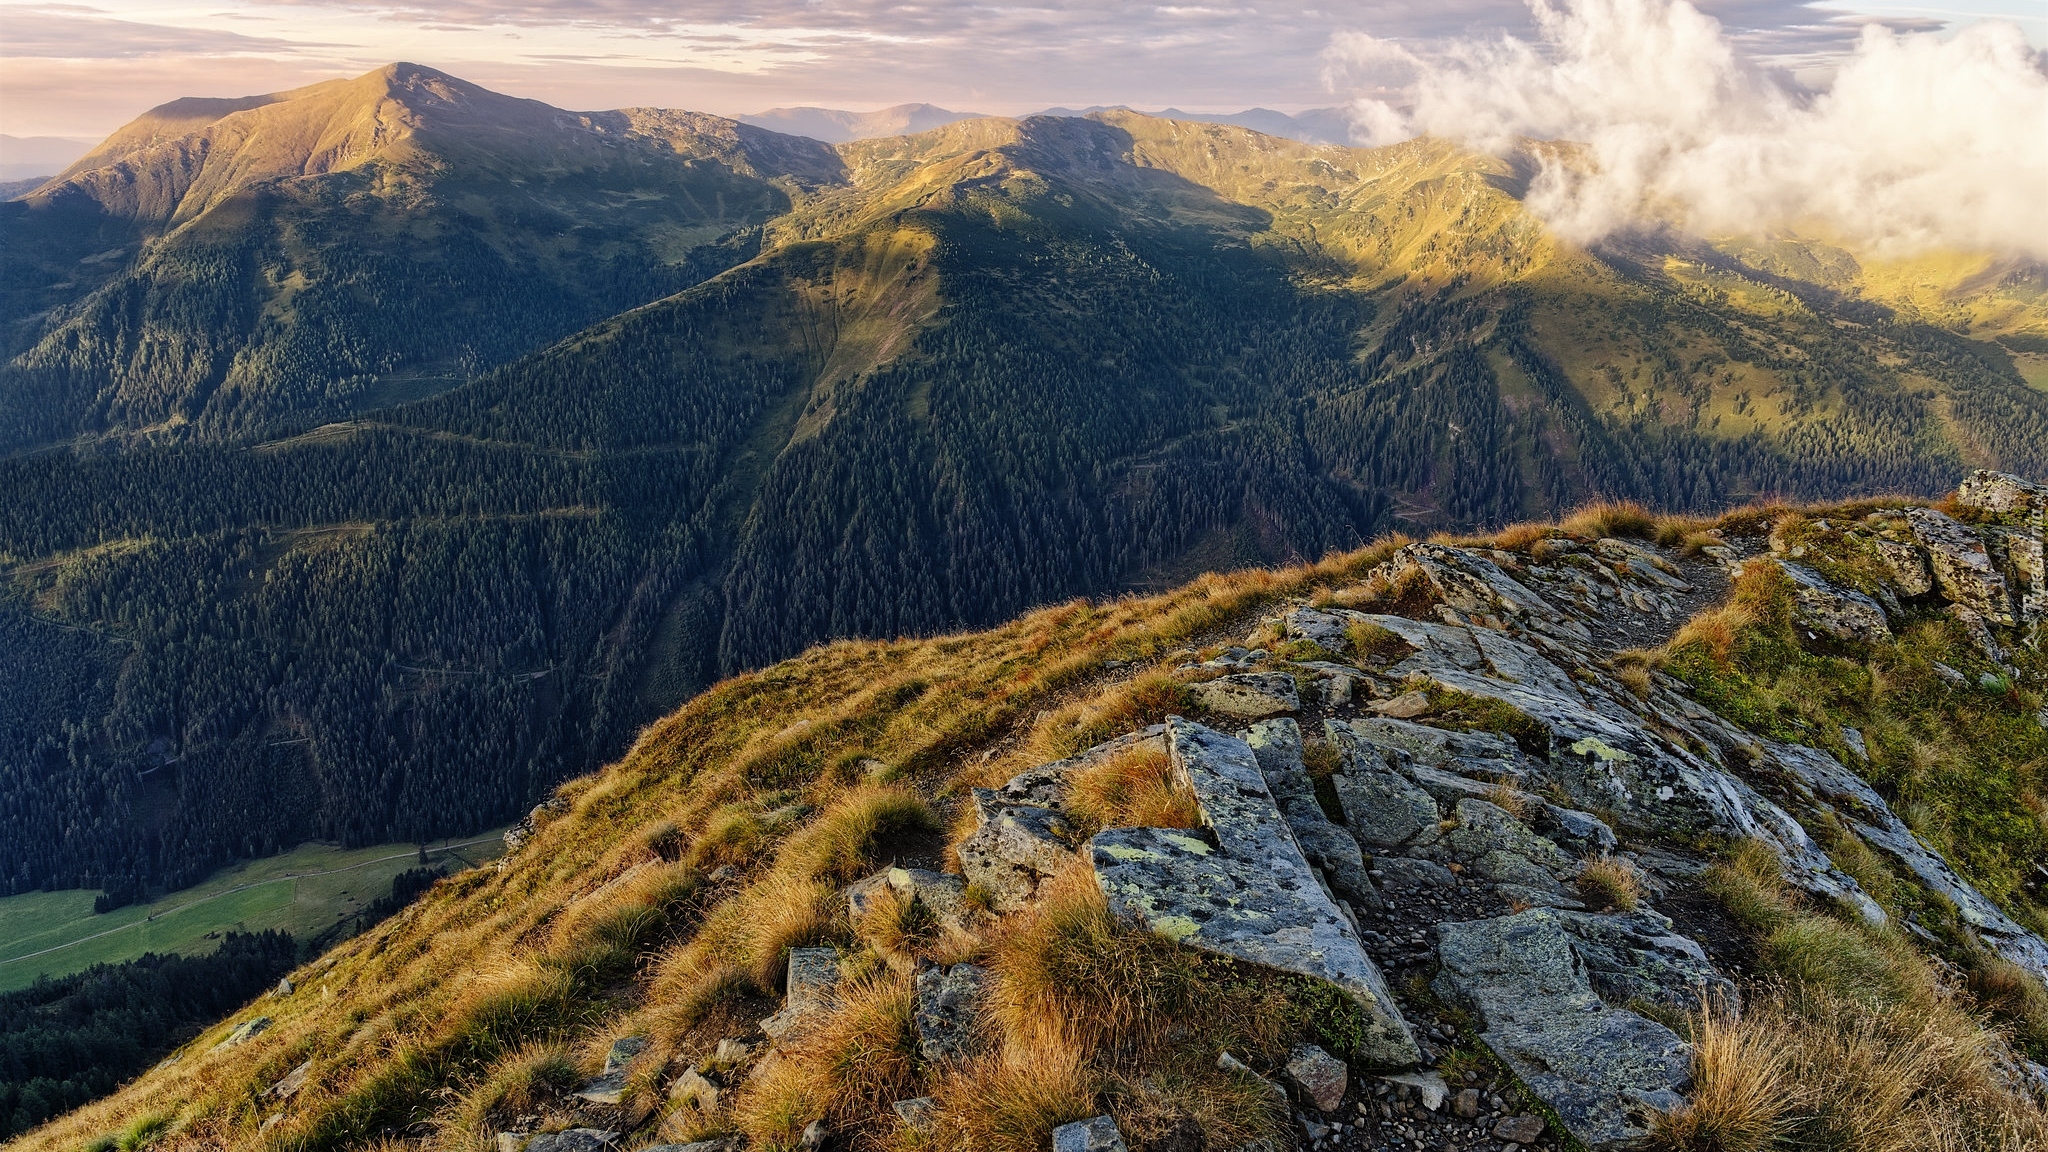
pixel 1311 126
pixel 837 127
pixel 261 262
pixel 24 156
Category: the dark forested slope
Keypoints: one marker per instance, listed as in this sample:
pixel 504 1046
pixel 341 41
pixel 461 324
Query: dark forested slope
pixel 997 364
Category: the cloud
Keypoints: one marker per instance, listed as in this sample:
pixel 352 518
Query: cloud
pixel 1918 142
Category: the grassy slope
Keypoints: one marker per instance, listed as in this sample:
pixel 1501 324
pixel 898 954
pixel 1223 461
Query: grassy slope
pixel 304 892
pixel 505 980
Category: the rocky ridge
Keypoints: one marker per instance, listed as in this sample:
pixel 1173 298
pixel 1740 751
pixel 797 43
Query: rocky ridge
pixel 1430 868
pixel 1469 821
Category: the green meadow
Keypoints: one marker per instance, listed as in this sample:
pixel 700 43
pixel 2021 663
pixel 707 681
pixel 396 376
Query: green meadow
pixel 305 891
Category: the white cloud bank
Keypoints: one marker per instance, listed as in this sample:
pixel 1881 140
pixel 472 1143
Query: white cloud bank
pixel 1919 142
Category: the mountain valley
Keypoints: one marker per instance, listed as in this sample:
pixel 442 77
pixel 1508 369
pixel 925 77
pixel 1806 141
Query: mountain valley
pixel 383 453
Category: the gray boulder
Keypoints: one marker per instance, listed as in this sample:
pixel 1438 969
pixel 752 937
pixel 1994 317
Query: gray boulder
pixel 1248 696
pixel 1013 847
pixel 942 894
pixel 948 1000
pixel 1327 629
pixel 1907 565
pixel 1604 1070
pixel 1046 785
pixel 1383 808
pixel 1249 892
pixel 1838 612
pixel 574 1140
pixel 1962 567
pixel 1099 1134
pixel 810 990
pixel 2001 493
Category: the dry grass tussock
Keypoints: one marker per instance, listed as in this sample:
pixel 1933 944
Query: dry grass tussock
pixel 1612 881
pixel 1803 1067
pixel 847 1069
pixel 1133 789
pixel 1615 518
pixel 841 843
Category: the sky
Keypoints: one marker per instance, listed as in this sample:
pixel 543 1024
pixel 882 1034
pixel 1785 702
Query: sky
pixel 82 69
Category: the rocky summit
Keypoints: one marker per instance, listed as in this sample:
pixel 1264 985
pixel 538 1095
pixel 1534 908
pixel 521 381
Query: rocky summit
pixel 1561 838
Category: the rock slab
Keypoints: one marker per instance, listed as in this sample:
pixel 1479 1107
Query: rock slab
pixel 1603 1070
pixel 1246 891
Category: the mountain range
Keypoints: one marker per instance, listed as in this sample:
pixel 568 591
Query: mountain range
pixel 382 452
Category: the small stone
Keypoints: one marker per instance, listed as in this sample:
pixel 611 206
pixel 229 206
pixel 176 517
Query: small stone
pixel 292 1082
pixel 813 974
pixel 1522 1129
pixel 1428 1085
pixel 1406 706
pixel 244 1032
pixel 694 1089
pixel 507 1141
pixel 1320 1076
pixel 814 1137
pixel 918 1113
pixel 622 1052
pixel 731 1052
pixel 1465 1105
pixel 1099 1134
pixel 284 987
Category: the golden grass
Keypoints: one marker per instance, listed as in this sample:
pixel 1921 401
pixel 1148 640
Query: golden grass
pixel 1616 518
pixel 847 1069
pixel 1512 801
pixel 756 928
pixel 1071 978
pixel 1132 789
pixel 841 843
pixel 898 927
pixel 1612 881
pixel 524 1083
pixel 1011 1102
pixel 1149 699
pixel 1742 1088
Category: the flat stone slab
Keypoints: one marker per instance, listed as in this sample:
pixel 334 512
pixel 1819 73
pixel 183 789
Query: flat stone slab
pixel 574 1140
pixel 1332 850
pixel 1842 613
pixel 1248 695
pixel 1605 1071
pixel 244 1032
pixel 1013 847
pixel 943 894
pixel 1249 893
